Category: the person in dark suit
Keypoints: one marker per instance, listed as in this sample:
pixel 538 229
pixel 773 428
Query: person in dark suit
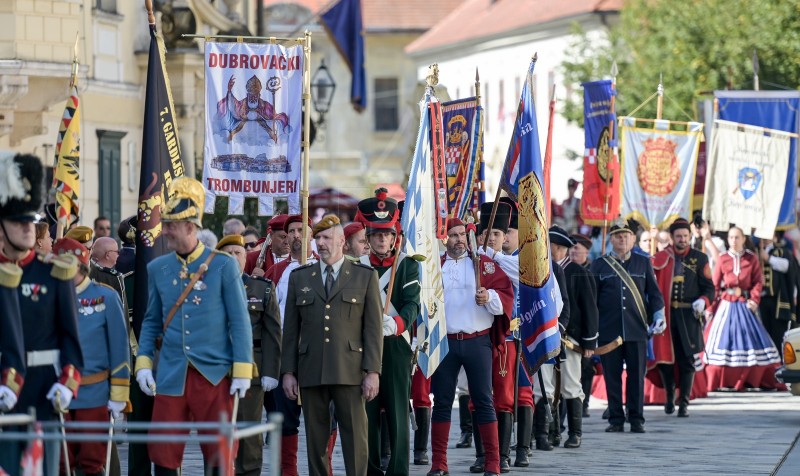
pixel 628 302
pixel 332 348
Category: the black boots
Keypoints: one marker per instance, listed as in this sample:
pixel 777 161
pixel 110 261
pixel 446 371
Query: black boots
pixel 478 466
pixel 554 435
pixel 667 373
pixel 575 423
pixel 524 426
pixel 465 421
pixel 687 380
pixel 162 471
pixel 505 424
pixel 541 425
pixel 423 418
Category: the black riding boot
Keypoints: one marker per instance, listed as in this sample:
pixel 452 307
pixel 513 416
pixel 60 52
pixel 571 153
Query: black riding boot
pixel 575 422
pixel 162 471
pixel 667 373
pixel 480 456
pixel 554 435
pixel 465 421
pixel 505 424
pixel 540 426
pixel 687 380
pixel 524 426
pixel 423 418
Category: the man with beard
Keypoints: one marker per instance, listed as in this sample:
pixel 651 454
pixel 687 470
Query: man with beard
pixel 332 348
pixel 207 349
pixel 478 323
pixel 280 275
pixel 380 215
pixel 628 301
pixel 266 324
pixel 683 274
pixel 276 251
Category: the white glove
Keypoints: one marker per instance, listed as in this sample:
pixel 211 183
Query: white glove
pixel 268 384
pixel 699 305
pixel 8 399
pixel 389 326
pixel 116 408
pixel 660 325
pixel 64 398
pixel 240 386
pixel 146 382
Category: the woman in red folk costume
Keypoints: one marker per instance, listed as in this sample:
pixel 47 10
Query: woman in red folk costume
pixel 739 351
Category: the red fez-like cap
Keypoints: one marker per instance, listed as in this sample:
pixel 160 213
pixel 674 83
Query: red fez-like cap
pixel 454 221
pixel 276 223
pixel 294 219
pixel 352 229
pixel 68 246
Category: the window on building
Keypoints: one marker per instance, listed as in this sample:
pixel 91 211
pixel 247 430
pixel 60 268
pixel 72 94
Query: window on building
pixel 387 104
pixel 109 6
pixel 109 172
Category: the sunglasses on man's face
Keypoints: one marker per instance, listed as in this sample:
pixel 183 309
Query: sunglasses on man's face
pixel 250 245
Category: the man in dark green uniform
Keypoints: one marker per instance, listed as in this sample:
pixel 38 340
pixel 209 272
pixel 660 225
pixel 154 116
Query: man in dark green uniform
pixel 380 216
pixel 266 321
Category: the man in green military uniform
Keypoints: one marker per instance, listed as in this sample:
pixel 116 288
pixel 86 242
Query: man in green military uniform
pixel 380 215
pixel 266 321
pixel 332 348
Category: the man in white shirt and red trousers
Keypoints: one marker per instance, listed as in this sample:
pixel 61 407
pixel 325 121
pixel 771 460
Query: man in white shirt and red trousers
pixel 479 321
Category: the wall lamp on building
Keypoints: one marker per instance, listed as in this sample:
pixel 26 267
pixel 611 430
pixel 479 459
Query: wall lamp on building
pixel 322 88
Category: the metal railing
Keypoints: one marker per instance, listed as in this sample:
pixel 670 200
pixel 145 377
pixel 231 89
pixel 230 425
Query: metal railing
pixel 223 430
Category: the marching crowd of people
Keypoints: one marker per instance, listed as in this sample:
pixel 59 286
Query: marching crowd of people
pixel 332 334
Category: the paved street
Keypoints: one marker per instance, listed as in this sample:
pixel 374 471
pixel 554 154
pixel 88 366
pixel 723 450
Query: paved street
pixel 743 433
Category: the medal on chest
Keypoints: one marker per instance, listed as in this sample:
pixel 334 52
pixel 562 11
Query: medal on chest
pixel 33 290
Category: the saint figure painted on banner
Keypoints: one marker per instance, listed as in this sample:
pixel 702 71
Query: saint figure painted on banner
pixel 236 113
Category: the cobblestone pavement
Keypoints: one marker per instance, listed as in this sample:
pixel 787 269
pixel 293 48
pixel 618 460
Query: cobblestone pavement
pixel 727 433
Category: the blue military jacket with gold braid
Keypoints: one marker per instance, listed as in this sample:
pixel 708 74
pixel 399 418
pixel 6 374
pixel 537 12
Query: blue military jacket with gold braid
pixel 104 339
pixel 211 329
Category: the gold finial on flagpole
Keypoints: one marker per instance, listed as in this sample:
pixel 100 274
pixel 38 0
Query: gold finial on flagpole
pixel 73 79
pixel 432 79
pixel 151 17
pixel 477 87
pixel 535 57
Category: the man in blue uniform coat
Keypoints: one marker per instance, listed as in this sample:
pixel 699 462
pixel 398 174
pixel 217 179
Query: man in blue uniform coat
pixel 628 302
pixel 205 334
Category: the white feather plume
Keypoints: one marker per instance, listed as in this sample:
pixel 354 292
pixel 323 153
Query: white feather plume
pixel 11 186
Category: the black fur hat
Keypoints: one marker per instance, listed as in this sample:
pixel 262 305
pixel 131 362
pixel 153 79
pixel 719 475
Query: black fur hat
pixel 21 187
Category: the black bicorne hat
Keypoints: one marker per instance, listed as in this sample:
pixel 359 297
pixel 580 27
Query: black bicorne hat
pixel 21 187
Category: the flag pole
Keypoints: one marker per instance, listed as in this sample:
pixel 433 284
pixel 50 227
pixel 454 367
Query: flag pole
pixel 306 141
pixel 611 138
pixel 479 184
pixel 756 85
pixel 660 92
pixel 548 158
pixel 534 58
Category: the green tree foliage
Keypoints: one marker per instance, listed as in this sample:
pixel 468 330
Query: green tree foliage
pixel 698 45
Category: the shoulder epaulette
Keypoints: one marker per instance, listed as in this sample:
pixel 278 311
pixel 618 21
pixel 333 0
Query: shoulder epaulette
pixel 365 266
pixel 303 266
pixel 10 275
pixel 352 259
pixel 65 267
pixel 261 278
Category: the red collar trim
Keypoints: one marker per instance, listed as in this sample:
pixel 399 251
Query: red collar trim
pixel 23 262
pixel 380 263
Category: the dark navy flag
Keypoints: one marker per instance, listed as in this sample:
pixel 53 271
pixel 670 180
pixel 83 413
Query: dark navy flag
pixel 343 23
pixel 774 110
pixel 522 180
pixel 161 162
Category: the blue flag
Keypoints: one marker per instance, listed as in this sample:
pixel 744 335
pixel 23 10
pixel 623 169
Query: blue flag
pixel 522 180
pixel 419 217
pixel 343 23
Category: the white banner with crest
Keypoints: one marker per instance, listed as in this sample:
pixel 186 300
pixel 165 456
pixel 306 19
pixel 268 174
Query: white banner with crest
pixel 254 99
pixel 658 170
pixel 745 178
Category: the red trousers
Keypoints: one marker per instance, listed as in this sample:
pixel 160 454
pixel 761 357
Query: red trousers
pixel 89 457
pixel 504 376
pixel 420 390
pixel 201 402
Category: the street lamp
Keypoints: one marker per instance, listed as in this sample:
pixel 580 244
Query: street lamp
pixel 322 89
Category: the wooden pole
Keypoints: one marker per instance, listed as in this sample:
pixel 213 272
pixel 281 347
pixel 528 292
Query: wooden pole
pixel 306 40
pixel 548 158
pixel 660 103
pixel 151 18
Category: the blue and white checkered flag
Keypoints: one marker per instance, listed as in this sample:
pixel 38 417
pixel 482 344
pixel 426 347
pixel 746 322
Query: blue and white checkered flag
pixel 419 216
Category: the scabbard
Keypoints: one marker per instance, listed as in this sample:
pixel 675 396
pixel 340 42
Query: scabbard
pixel 603 349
